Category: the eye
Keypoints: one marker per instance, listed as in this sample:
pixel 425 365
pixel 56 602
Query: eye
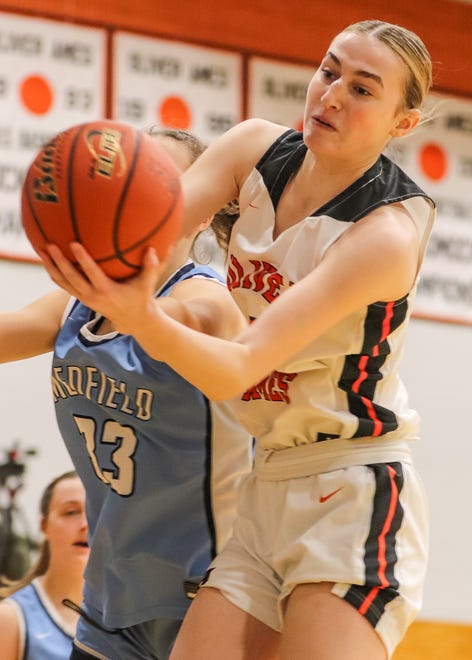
pixel 362 91
pixel 327 74
pixel 72 512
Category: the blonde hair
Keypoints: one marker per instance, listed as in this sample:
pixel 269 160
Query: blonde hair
pixel 410 49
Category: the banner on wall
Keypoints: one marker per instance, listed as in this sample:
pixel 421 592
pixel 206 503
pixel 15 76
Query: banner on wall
pixel 277 90
pixel 438 156
pixel 52 76
pixel 177 85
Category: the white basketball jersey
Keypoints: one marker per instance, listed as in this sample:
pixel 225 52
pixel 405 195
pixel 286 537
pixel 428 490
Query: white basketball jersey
pixel 345 384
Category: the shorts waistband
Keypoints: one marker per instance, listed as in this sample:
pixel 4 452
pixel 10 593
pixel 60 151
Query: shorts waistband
pixel 318 457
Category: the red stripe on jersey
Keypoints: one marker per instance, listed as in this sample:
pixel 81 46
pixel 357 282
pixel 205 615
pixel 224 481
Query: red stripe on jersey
pixel 386 325
pixel 362 366
pixel 363 360
pixel 377 430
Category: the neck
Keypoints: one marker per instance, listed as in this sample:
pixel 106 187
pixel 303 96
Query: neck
pixel 64 584
pixel 340 173
pixel 60 584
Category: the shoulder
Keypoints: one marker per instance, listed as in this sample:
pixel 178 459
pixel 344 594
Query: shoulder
pixel 54 300
pixel 9 629
pixel 49 307
pixel 8 610
pixel 384 242
pixel 187 276
pixel 252 141
pixel 388 228
pixel 255 127
pixel 390 220
pixel 52 304
pixel 204 283
pixel 249 140
pixel 216 177
pixel 211 303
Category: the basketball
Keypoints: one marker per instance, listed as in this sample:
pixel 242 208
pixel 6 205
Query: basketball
pixel 108 186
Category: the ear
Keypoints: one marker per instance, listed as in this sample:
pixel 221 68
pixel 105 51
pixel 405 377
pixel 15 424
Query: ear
pixel 407 123
pixel 205 224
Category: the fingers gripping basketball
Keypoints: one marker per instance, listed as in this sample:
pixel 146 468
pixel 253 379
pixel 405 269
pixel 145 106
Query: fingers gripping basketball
pixel 108 186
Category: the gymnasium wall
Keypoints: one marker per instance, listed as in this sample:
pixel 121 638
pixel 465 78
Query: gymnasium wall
pixel 438 358
pixel 297 31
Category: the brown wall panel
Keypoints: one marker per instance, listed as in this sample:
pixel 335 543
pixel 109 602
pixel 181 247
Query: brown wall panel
pixel 298 31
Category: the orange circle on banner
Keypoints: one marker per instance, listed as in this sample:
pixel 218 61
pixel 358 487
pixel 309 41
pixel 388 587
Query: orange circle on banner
pixel 433 161
pixel 175 113
pixel 299 125
pixel 36 94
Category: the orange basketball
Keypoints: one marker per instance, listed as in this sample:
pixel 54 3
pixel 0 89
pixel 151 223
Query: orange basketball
pixel 108 186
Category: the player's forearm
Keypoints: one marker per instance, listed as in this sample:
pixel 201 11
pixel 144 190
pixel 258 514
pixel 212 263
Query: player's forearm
pixel 219 368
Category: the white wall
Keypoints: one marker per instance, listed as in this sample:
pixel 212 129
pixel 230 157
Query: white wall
pixel 436 370
pixel 26 407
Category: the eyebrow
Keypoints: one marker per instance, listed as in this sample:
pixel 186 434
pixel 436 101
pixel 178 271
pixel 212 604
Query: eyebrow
pixel 360 72
pixel 69 502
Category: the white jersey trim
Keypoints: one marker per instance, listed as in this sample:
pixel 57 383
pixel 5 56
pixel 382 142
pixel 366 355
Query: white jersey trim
pixel 51 610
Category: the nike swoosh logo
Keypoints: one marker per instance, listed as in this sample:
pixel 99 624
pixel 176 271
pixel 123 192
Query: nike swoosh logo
pixel 42 635
pixel 324 498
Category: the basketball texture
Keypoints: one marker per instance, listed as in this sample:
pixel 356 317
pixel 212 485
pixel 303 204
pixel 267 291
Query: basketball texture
pixel 108 186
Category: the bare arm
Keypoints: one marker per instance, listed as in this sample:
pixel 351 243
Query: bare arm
pixel 32 330
pixel 9 631
pixel 376 259
pixel 205 306
pixel 217 175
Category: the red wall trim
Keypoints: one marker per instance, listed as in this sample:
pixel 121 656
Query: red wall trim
pixel 293 31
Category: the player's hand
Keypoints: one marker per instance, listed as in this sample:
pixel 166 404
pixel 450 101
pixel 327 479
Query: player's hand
pixel 123 303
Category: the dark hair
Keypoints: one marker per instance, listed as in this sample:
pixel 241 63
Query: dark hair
pixel 41 564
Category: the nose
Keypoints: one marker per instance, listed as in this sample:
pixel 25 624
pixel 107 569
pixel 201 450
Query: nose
pixel 332 98
pixel 83 521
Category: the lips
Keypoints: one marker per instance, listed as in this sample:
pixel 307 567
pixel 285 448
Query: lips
pixel 322 122
pixel 81 544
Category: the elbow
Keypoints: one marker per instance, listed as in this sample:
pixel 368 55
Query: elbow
pixel 222 389
pixel 219 394
pixel 228 372
pixel 222 395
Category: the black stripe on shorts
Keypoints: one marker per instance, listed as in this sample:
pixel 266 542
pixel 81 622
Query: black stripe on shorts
pixel 380 558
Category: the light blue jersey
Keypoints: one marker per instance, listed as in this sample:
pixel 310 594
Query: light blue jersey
pixel 160 489
pixel 42 634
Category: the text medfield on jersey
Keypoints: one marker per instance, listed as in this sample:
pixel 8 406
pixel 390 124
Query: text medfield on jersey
pixel 101 388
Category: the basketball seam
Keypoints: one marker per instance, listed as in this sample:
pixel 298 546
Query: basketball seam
pixel 34 215
pixel 119 209
pixel 70 187
pixel 120 253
